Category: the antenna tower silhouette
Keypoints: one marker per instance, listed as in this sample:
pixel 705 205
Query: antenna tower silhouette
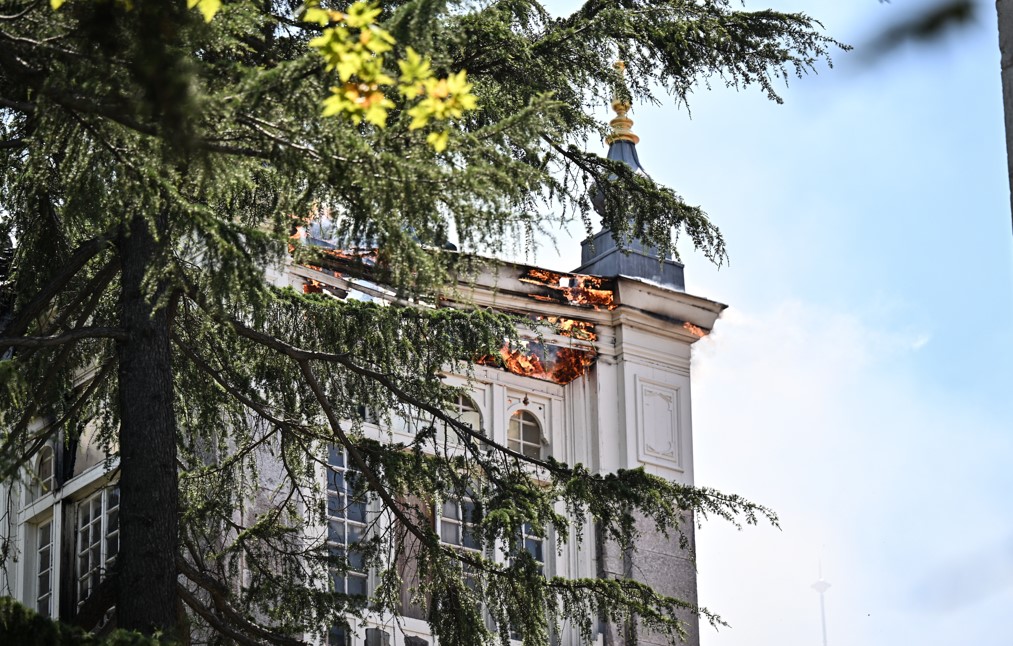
pixel 822 586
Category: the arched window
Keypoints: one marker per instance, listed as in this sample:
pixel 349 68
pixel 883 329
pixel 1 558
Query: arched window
pixel 45 469
pixel 465 411
pixel 525 434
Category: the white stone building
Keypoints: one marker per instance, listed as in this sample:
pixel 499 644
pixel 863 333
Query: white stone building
pixel 608 386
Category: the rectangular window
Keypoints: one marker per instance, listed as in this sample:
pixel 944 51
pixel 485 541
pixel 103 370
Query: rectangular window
pixel 98 539
pixel 346 524
pixel 457 528
pixel 457 523
pixel 533 545
pixel 44 559
pixel 338 636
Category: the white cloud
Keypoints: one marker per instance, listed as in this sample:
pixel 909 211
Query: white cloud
pixel 805 409
pixel 920 341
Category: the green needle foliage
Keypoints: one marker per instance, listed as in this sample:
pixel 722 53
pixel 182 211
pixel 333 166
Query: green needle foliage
pixel 155 158
pixel 23 626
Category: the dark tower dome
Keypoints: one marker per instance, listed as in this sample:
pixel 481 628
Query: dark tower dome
pixel 599 254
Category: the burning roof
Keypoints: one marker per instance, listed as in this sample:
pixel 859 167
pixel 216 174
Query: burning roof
pixel 574 305
pixel 573 328
pixel 572 289
pixel 548 362
pixel 695 330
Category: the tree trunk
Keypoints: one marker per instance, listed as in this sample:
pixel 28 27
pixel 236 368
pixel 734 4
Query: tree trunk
pixel 146 569
pixel 1005 10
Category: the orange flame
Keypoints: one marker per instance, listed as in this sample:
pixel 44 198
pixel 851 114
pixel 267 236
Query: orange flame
pixel 521 363
pixel 694 330
pixel 573 328
pixel 551 363
pixel 575 289
pixel 571 364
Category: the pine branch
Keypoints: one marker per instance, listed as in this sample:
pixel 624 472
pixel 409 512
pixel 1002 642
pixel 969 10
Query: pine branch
pixel 706 499
pixel 78 259
pixel 52 375
pixel 220 597
pixel 92 292
pixel 43 434
pixel 29 6
pixel 375 483
pixel 254 406
pixel 225 625
pixel 356 456
pixel 74 335
pixel 344 360
pixel 21 106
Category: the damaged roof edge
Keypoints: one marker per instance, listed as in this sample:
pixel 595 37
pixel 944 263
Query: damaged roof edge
pixel 518 287
pixel 658 300
pixel 531 283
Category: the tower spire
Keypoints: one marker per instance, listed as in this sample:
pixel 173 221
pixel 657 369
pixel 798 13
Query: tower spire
pixel 621 140
pixel 600 254
pixel 622 125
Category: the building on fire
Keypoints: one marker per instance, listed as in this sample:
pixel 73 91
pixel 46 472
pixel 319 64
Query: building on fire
pixel 608 386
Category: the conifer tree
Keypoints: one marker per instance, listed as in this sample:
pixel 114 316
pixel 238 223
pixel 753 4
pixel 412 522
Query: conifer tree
pixel 156 157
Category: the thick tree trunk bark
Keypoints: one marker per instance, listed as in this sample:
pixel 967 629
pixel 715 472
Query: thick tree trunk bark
pixel 149 505
pixel 1005 10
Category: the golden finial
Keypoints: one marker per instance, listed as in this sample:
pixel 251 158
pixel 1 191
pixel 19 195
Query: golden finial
pixel 622 125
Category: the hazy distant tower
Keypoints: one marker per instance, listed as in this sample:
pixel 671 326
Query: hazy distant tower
pixel 822 586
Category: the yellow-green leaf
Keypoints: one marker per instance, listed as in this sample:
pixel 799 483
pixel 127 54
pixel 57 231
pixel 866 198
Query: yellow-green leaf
pixel 376 114
pixel 361 14
pixel 322 41
pixel 349 64
pixel 207 8
pixel 332 106
pixel 375 41
pixel 414 69
pixel 56 4
pixel 438 140
pixel 411 91
pixel 420 115
pixel 316 15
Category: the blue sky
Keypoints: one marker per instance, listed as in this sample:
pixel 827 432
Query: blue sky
pixel 861 382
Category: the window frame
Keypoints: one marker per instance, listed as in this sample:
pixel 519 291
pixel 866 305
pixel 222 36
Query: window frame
pixel 338 502
pixel 464 527
pixel 44 484
pixel 59 507
pixel 34 570
pixel 86 582
pixel 465 409
pixel 527 534
pixel 526 417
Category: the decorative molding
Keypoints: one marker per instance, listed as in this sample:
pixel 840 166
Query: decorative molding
pixel 656 361
pixel 659 429
pixel 488 375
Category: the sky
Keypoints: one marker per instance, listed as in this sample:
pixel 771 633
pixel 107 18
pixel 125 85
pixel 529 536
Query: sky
pixel 861 381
